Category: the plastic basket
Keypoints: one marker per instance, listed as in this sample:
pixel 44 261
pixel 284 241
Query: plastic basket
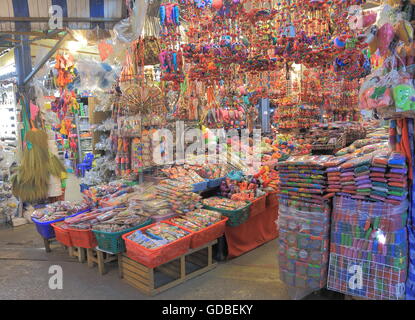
pixel 258 206
pixel 236 217
pixel 83 187
pixel 199 238
pixel 213 183
pixel 45 228
pixel 272 200
pixel 112 241
pixel 153 258
pixel 83 238
pixel 201 186
pixel 62 235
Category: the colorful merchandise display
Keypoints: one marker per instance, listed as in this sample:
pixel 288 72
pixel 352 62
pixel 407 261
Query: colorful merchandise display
pixel 303 178
pixel 158 235
pixel 303 246
pixel 369 245
pixel 58 210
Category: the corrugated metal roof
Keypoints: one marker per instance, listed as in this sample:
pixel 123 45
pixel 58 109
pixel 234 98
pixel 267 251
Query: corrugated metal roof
pixel 72 9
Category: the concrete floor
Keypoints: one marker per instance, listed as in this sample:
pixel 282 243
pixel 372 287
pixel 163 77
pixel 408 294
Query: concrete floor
pixel 25 265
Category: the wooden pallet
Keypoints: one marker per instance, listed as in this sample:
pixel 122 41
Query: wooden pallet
pixel 147 280
pixel 79 253
pixel 100 257
pixel 48 242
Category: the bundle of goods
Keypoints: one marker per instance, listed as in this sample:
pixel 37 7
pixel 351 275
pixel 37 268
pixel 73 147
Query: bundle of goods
pixel 93 194
pixel 186 175
pixel 205 225
pixel 213 171
pixel 157 235
pixel 354 131
pixel 244 190
pixel 58 210
pixel 148 203
pixel 121 221
pixel 377 176
pixel 236 211
pixel 179 195
pixel 118 198
pixel 76 231
pixel 157 244
pixel 183 173
pixel 268 178
pixel 8 203
pixel 224 203
pixel 197 220
pixel 283 146
pixel 303 246
pixel 87 220
pixel 368 254
pixel 108 233
pixel 360 144
pixel 303 178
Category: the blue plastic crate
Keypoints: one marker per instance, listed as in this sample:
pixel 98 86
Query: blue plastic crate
pixel 201 186
pixel 213 183
pixel 46 230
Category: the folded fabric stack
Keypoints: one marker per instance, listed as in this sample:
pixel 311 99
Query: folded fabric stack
pixel 334 174
pixel 397 179
pixel 303 246
pixel 303 178
pixel 378 176
pixel 369 243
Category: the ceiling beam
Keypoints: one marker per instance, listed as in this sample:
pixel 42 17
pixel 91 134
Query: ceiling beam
pixel 26 33
pixel 46 58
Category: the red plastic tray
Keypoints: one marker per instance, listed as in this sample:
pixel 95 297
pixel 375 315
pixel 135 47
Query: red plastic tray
pixel 83 238
pixel 62 235
pixel 208 234
pixel 258 206
pixel 153 258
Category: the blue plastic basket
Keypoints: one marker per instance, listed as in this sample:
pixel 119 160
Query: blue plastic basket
pixel 46 230
pixel 213 183
pixel 201 186
pixel 83 187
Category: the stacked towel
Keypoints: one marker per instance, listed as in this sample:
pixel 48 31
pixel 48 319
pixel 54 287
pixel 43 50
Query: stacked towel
pixel 303 178
pixel 378 176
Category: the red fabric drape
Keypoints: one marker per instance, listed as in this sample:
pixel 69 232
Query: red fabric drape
pixel 254 232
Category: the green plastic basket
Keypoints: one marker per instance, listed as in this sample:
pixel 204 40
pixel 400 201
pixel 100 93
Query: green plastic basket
pixel 236 217
pixel 113 241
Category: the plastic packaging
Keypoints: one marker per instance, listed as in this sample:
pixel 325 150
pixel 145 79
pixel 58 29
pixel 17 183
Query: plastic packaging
pixel 303 247
pixel 368 254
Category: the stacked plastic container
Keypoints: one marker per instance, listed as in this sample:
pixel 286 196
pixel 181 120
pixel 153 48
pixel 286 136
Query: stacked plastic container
pixel 368 253
pixel 303 246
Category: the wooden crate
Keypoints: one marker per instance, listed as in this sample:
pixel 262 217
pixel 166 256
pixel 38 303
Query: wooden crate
pixel 100 258
pixel 147 280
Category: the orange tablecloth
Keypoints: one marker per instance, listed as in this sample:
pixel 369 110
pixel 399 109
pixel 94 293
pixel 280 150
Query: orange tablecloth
pixel 254 232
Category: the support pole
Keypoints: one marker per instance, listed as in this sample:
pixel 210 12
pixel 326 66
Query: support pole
pixel 46 58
